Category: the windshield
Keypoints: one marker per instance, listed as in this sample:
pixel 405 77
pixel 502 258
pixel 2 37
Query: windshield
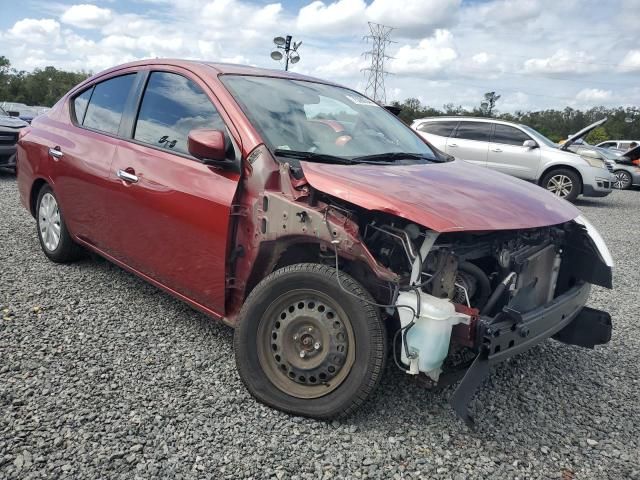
pixel 608 153
pixel 319 122
pixel 539 136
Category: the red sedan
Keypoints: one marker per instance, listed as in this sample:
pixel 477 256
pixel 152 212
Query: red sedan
pixel 315 222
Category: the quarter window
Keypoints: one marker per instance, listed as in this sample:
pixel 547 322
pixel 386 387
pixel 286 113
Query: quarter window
pixel 479 131
pixel 509 135
pixel 107 104
pixel 172 106
pixel 80 104
pixel 443 129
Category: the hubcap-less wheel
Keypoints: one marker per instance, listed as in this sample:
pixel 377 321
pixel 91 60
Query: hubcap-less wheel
pixel 305 344
pixel 560 185
pixel 623 180
pixel 49 222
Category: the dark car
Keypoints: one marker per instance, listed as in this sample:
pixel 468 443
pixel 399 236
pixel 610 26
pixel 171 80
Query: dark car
pixel 9 130
pixel 313 221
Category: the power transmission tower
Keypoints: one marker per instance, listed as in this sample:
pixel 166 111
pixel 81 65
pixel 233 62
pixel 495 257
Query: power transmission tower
pixel 380 37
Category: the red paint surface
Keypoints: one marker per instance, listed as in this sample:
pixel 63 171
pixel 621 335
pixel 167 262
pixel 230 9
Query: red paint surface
pixel 445 197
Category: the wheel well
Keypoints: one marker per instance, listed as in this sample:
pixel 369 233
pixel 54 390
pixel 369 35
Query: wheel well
pixel 561 167
pixel 33 198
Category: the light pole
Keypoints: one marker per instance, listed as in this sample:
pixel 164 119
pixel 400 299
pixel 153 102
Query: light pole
pixel 290 52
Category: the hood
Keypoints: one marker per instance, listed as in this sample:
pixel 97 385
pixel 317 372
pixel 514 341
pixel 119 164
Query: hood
pixel 582 133
pixel 445 197
pixel 12 122
pixel 632 154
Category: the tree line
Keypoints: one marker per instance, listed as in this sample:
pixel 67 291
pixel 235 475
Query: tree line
pixel 622 123
pixel 42 87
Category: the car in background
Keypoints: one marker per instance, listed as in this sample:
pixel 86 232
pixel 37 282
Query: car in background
pixel 627 174
pixel 22 111
pixel 228 187
pixel 9 130
pixel 521 151
pixel 622 145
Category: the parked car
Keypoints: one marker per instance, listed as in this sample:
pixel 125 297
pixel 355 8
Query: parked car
pixel 627 174
pixel 24 112
pixel 623 145
pixel 9 130
pixel 314 222
pixel 520 151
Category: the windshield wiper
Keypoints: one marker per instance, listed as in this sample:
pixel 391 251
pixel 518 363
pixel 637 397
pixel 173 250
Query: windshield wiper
pixel 315 157
pixel 390 156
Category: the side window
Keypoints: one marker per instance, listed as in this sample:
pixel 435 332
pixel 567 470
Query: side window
pixel 107 104
pixel 479 131
pixel 624 145
pixel 171 107
pixel 80 105
pixel 442 129
pixel 608 145
pixel 509 135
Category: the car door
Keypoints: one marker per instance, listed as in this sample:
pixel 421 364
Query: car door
pixel 507 154
pixel 171 212
pixel 437 132
pixel 470 142
pixel 81 156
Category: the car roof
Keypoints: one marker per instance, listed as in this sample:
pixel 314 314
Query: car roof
pixel 454 118
pixel 219 68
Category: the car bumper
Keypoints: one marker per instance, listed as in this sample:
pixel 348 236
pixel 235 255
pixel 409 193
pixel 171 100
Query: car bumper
pixel 596 182
pixel 511 332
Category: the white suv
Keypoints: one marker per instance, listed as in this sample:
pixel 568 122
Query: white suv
pixel 520 151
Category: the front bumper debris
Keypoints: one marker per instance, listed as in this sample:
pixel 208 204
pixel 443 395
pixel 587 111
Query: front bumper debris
pixel 511 332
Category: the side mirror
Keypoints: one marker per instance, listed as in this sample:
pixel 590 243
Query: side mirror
pixel 208 146
pixel 530 144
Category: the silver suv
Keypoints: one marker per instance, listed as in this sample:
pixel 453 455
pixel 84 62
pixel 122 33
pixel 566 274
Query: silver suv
pixel 520 151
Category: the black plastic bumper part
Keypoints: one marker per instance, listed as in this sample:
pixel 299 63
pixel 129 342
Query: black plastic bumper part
pixel 511 332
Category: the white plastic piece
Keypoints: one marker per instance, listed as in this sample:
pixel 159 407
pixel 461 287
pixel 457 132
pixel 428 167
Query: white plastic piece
pixel 428 339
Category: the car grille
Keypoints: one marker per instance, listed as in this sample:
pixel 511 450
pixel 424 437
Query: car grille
pixel 8 138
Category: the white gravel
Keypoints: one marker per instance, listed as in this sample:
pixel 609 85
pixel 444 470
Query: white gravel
pixel 103 376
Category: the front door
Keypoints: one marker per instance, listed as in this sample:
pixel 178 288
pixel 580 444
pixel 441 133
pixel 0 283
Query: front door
pixel 508 155
pixel 470 142
pixel 170 212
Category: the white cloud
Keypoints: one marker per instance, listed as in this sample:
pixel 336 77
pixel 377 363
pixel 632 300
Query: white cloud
pixel 34 31
pixel 86 16
pixel 562 61
pixel 430 56
pixel 591 95
pixel 481 58
pixel 506 11
pixel 631 61
pixel 334 17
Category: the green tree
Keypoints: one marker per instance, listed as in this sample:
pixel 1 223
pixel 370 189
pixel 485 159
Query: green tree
pixel 487 107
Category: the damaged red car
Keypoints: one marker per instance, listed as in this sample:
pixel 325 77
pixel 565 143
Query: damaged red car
pixel 329 234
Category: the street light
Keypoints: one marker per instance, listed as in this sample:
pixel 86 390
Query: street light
pixel 290 52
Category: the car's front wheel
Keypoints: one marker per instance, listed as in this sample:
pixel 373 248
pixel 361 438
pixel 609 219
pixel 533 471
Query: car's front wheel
pixel 563 183
pixel 623 179
pixel 309 346
pixel 55 240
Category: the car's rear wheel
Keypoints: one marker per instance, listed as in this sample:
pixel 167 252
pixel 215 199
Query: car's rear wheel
pixel 54 237
pixel 563 183
pixel 623 179
pixel 306 346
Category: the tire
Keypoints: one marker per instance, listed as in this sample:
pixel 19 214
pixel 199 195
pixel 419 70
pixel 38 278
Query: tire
pixel 563 183
pixel 49 225
pixel 623 180
pixel 346 335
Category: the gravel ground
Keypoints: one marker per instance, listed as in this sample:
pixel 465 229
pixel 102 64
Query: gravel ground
pixel 102 375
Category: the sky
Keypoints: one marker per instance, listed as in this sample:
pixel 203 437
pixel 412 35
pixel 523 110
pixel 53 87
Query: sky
pixel 537 54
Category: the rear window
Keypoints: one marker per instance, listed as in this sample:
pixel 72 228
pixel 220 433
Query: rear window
pixel 479 131
pixel 509 135
pixel 107 104
pixel 443 129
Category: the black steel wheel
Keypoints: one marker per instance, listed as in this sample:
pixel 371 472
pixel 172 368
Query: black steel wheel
pixel 305 346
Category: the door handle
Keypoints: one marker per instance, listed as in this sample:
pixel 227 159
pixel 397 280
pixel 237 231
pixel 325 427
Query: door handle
pixel 496 150
pixel 453 145
pixel 56 153
pixel 127 177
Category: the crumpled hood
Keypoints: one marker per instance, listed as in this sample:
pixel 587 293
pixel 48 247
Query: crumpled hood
pixel 12 122
pixel 445 197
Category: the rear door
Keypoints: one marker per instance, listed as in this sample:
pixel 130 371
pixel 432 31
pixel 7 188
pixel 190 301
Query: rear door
pixel 508 155
pixel 470 142
pixel 81 156
pixel 170 211
pixel 437 133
